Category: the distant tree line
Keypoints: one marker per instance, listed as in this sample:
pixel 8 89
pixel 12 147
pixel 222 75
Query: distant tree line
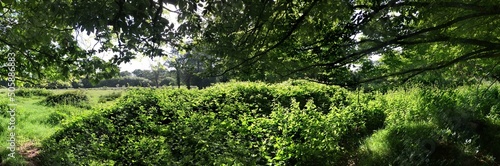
pixel 137 78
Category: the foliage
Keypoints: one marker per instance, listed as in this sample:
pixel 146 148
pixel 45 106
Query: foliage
pixel 235 123
pixel 125 74
pixel 109 97
pixel 58 85
pixel 169 81
pixel 54 54
pixel 32 92
pixel 62 113
pixel 75 98
pixel 291 123
pixel 324 40
pixel 429 126
pixel 125 81
pixel 253 40
pixel 4 108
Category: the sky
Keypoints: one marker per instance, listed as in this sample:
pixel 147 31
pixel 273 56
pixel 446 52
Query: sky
pixel 140 62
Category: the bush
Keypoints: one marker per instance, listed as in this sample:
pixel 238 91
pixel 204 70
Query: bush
pixel 291 123
pixel 429 126
pixel 61 113
pixel 75 98
pixel 259 97
pixel 109 97
pixel 235 123
pixel 32 92
pixel 57 85
pixel 127 81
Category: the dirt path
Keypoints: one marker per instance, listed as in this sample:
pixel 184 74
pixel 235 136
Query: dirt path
pixel 29 151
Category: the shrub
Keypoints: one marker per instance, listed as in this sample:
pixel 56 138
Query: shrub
pixel 109 97
pixel 454 125
pixel 55 118
pixel 75 98
pixel 259 96
pixel 235 123
pixel 32 92
pixel 61 113
pixel 57 85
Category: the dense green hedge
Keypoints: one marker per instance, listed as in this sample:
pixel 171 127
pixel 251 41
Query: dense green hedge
pixel 238 123
pixel 291 123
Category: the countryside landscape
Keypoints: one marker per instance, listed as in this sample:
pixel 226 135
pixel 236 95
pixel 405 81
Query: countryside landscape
pixel 251 82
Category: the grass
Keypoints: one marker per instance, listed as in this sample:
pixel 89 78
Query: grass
pixel 35 122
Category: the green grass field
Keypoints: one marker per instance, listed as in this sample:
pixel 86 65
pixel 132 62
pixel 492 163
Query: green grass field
pixel 34 121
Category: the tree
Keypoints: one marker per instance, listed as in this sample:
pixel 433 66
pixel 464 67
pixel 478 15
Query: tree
pixel 193 67
pixel 317 39
pixel 253 40
pixel 43 36
pixel 158 73
pixel 125 74
pixel 40 38
pixel 142 73
pixel 433 36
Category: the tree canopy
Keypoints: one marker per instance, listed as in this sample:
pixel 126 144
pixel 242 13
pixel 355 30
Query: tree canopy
pixel 321 40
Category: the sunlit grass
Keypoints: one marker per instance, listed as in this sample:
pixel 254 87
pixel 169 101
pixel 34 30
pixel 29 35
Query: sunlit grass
pixel 33 120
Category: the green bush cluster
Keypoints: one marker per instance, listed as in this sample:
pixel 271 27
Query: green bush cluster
pixel 295 122
pixel 58 84
pixel 62 113
pixel 109 97
pixel 429 126
pixel 32 92
pixel 74 98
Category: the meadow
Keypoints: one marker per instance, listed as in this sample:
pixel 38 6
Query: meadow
pixel 247 123
pixel 36 122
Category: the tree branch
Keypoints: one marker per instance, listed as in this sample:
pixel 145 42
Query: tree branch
pixel 281 41
pixel 478 54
